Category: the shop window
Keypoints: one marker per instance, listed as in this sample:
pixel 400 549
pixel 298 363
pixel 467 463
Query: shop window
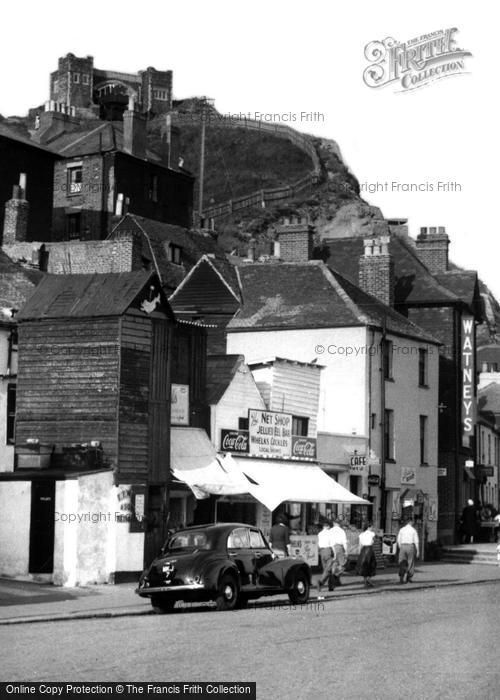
pixel 423 439
pixel 11 413
pixel 243 423
pixel 300 426
pixel 75 179
pixel 74 225
pixel 387 359
pixel 422 367
pixel 389 434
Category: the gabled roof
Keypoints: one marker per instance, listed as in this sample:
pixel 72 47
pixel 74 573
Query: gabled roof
pixel 100 138
pixel 159 236
pixel 211 286
pixel 80 296
pixel 311 295
pixel 414 283
pixel 220 372
pixel 463 284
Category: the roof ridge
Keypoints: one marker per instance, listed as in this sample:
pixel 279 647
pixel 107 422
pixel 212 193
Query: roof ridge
pixel 415 256
pixel 330 277
pixel 84 136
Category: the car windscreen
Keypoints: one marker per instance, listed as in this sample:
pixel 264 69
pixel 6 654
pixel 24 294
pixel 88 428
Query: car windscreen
pixel 189 539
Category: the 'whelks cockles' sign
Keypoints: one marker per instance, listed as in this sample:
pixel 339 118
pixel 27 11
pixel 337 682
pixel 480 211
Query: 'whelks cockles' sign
pixel 468 376
pixel 414 63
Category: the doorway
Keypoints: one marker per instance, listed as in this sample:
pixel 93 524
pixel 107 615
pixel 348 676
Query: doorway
pixel 43 496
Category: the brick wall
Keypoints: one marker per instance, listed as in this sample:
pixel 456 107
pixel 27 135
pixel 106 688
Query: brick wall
pixel 432 249
pixel 376 276
pixel 122 254
pixel 295 242
pixel 16 221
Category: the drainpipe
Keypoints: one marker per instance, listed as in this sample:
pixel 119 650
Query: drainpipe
pixel 383 493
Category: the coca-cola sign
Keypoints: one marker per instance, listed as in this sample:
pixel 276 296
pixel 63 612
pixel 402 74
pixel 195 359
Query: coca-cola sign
pixel 234 440
pixel 304 447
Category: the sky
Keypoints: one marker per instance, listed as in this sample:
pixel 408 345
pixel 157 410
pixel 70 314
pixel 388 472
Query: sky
pixel 429 155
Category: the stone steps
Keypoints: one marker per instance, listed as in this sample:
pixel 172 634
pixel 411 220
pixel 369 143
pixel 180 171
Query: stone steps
pixel 469 556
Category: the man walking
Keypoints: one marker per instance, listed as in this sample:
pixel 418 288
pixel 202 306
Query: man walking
pixel 469 522
pixel 326 556
pixel 408 546
pixel 338 540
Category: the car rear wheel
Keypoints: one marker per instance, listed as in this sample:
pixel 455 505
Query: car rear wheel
pixel 227 595
pixel 162 605
pixel 299 592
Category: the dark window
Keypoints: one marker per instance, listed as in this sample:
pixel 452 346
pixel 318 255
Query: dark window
pixel 153 188
pixel 85 78
pixel 74 225
pixel 175 254
pixel 243 423
pixel 489 448
pixel 300 426
pixel 389 434
pixel 373 419
pixel 423 439
pixel 11 412
pixel 76 77
pixel 422 367
pixel 75 180
pixel 387 355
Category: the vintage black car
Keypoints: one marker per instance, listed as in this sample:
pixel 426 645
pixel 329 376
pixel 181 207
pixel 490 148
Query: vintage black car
pixel 229 563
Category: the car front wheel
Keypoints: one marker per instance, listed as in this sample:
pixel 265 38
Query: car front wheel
pixel 299 592
pixel 162 605
pixel 227 595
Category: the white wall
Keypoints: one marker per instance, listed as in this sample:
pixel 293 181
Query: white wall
pixel 15 514
pixel 343 381
pixel 241 394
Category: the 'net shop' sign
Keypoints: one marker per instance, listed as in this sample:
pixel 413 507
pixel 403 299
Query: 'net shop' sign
pixel 270 434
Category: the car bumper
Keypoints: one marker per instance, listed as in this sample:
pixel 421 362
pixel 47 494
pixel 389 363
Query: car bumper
pixel 146 591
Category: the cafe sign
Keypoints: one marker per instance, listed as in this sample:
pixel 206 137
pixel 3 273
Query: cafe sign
pixel 357 464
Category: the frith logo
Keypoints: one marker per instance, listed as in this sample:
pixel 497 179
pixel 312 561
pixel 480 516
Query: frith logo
pixel 414 63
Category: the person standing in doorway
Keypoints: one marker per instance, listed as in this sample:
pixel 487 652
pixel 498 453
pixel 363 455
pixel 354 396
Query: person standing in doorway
pixel 469 522
pixel 279 537
pixel 408 546
pixel 326 556
pixel 338 540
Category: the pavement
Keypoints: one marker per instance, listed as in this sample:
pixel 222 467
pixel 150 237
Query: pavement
pixel 25 601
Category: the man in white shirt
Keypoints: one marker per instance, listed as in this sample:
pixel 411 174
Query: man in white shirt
pixel 408 546
pixel 326 556
pixel 338 541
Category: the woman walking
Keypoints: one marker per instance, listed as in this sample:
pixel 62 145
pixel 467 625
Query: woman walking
pixel 367 564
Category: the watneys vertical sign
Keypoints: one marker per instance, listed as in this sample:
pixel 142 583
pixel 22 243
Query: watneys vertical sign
pixel 468 379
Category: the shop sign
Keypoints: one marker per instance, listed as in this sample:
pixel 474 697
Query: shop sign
pixel 179 413
pixel 468 378
pixel 442 471
pixel 234 441
pixel 373 480
pixel 357 464
pixel 303 447
pixel 485 471
pixel 306 547
pixel 270 434
pixel 408 475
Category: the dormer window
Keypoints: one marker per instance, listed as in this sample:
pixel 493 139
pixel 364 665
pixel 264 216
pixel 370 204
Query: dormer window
pixel 175 254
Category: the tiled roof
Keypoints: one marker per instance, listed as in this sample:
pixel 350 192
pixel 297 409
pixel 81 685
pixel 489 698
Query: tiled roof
pixel 220 372
pixel 414 282
pixel 463 283
pixel 488 399
pixel 100 138
pixel 9 133
pixel 16 282
pixel 64 296
pixel 310 295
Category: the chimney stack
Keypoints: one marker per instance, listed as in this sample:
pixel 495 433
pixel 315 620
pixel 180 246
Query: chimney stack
pixel 15 227
pixel 134 131
pixel 432 248
pixel 296 240
pixel 376 270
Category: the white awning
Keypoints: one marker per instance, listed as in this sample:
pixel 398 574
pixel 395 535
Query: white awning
pixel 275 481
pixel 195 462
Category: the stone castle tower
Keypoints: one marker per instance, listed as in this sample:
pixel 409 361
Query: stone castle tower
pixel 105 93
